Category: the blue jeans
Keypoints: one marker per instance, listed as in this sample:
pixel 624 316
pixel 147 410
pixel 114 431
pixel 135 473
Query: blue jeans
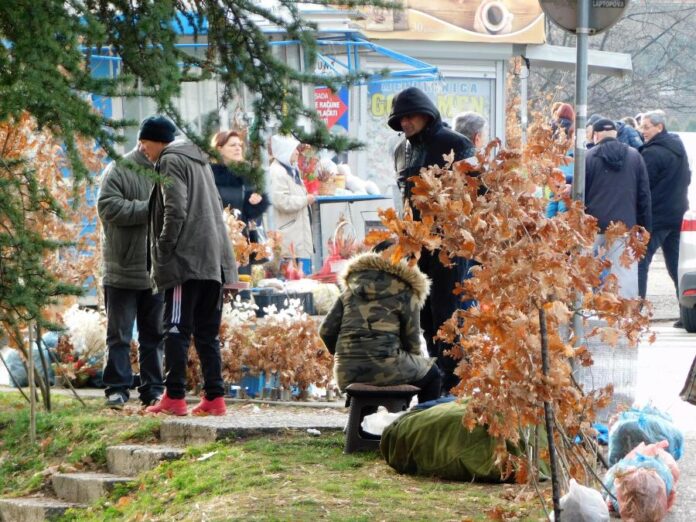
pixel 668 240
pixel 123 308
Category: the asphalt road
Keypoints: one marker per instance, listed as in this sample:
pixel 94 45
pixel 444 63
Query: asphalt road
pixel 662 370
pixel 661 292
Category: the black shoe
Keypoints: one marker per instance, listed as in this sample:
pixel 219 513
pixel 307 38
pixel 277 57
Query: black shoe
pixel 678 324
pixel 116 401
pixel 151 402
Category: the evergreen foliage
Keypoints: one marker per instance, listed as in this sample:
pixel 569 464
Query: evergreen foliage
pixel 45 73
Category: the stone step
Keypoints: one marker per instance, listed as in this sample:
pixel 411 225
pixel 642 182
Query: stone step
pixel 200 430
pixel 85 488
pixel 133 459
pixel 33 509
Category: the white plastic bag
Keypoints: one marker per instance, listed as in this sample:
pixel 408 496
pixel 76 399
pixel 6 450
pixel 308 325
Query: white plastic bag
pixel 583 504
pixel 376 423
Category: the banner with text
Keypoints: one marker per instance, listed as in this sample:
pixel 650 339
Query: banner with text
pixel 451 96
pixel 495 21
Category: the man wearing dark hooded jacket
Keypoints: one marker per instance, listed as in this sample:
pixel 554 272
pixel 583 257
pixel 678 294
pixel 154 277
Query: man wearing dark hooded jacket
pixel 616 189
pixel 668 168
pixel 191 260
pixel 426 141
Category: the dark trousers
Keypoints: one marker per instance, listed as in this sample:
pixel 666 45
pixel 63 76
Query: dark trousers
pixel 668 240
pixel 193 309
pixel 123 308
pixel 439 306
pixel 430 385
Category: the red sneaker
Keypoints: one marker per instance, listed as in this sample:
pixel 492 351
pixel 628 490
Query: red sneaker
pixel 215 407
pixel 169 406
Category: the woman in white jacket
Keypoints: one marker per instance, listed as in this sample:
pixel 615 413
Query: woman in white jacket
pixel 291 203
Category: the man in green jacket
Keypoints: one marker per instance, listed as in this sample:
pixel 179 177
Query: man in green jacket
pixel 192 259
pixel 122 207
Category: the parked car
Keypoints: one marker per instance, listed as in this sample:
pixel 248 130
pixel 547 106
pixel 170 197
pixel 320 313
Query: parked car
pixel 686 278
pixel 687 271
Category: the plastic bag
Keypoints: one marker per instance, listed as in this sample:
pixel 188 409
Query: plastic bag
pixel 641 495
pixel 375 423
pixel 642 486
pixel 658 451
pixel 648 425
pixel 583 504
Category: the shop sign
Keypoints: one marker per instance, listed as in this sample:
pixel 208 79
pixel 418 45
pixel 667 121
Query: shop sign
pixel 332 107
pixel 494 21
pixel 451 97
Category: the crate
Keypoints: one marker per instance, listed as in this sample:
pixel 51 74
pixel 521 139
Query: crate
pixel 279 298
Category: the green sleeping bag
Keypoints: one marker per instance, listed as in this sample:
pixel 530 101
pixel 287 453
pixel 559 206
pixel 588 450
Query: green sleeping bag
pixel 434 442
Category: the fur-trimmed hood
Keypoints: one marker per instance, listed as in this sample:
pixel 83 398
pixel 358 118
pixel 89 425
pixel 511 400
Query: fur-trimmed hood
pixel 372 277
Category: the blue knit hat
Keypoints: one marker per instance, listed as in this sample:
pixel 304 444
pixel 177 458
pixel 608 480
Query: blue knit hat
pixel 157 128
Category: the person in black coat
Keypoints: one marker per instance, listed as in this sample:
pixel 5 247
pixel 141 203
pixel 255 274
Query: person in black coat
pixel 616 190
pixel 247 204
pixel 668 168
pixel 426 140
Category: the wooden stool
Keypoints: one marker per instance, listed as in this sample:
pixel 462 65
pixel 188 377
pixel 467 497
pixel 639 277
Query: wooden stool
pixel 364 400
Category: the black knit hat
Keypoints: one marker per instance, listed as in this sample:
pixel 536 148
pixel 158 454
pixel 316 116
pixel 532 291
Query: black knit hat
pixel 157 128
pixel 603 124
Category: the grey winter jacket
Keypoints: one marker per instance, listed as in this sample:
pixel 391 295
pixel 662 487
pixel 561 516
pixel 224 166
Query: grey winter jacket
pixel 122 208
pixel 188 239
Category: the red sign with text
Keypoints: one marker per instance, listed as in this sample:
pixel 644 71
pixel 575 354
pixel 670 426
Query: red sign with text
pixel 329 105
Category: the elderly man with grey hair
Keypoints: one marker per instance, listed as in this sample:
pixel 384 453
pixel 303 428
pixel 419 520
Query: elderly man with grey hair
pixel 668 169
pixel 474 128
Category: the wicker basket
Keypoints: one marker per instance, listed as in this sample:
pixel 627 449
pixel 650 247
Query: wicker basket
pixel 327 188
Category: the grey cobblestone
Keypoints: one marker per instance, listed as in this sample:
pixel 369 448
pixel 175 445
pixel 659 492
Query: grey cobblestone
pixel 250 420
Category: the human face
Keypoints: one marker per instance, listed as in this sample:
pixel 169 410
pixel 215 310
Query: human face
pixel 589 133
pixel 649 130
pixel 232 150
pixel 151 149
pixel 294 157
pixel 412 124
pixel 480 138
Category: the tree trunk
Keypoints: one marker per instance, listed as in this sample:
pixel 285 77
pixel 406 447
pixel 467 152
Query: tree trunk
pixel 548 415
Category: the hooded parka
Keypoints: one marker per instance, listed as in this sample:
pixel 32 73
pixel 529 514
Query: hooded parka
pixel 373 329
pixel 616 185
pixel 429 146
pixel 188 238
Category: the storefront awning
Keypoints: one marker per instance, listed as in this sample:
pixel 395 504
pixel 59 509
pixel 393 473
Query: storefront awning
pixel 558 57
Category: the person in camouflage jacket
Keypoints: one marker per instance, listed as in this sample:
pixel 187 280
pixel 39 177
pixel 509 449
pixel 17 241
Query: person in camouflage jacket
pixel 373 329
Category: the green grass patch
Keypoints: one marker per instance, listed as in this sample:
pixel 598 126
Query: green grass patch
pixel 292 476
pixel 71 436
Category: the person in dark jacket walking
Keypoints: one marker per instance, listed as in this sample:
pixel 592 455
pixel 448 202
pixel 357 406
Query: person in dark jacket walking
pixel 192 259
pixel 122 208
pixel 426 141
pixel 616 189
pixel 668 168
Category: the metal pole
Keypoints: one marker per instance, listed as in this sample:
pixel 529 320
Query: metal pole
pixel 524 120
pixel 582 32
